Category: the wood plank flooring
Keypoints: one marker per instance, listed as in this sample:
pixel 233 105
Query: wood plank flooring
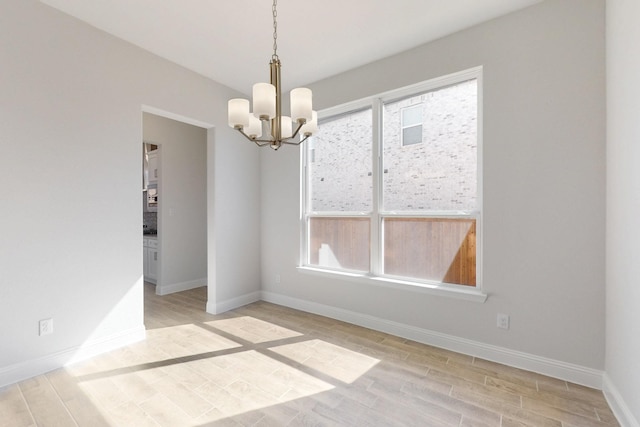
pixel 267 365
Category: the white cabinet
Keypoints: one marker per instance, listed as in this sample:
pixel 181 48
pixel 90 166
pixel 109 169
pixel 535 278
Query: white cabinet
pixel 145 259
pixel 153 166
pixel 151 189
pixel 151 259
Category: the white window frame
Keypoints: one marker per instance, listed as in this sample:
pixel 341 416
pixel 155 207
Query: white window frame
pixel 375 275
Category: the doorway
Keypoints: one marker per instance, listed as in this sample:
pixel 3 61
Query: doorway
pixel 150 200
pixel 178 199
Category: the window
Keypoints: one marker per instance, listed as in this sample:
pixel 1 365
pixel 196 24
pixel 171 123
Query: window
pixel 340 187
pixel 412 125
pixel 391 185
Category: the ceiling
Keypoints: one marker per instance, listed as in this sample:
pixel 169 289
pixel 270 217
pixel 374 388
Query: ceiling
pixel 231 41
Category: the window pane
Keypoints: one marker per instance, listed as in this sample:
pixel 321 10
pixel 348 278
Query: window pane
pixel 412 135
pixel 340 175
pixel 440 174
pixel 438 249
pixel 341 243
pixel 412 115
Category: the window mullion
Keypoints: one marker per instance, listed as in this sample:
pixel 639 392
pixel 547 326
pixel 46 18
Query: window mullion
pixel 305 205
pixel 376 164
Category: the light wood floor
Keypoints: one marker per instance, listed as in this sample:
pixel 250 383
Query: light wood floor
pixel 266 365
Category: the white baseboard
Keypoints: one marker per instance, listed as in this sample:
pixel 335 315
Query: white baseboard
pixel 230 304
pixel 31 368
pixel 618 405
pixel 554 368
pixel 181 286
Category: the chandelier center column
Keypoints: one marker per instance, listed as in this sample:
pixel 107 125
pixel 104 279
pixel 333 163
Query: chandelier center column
pixel 276 122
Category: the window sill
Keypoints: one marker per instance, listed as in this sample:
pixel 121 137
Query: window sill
pixel 439 289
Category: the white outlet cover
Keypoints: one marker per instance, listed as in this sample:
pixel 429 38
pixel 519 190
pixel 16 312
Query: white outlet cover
pixel 46 327
pixel 503 321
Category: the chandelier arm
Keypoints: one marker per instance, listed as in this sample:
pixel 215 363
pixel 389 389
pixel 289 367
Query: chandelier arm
pixel 258 142
pixel 289 142
pixel 262 143
pixel 295 132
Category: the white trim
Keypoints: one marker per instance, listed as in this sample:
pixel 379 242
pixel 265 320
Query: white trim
pixel 102 345
pixel 214 307
pixel 181 286
pixel 30 368
pixel 336 214
pixel 302 182
pixel 432 84
pixel 346 108
pixel 376 249
pixel 177 117
pixel 403 92
pixel 554 368
pixel 462 292
pixel 618 405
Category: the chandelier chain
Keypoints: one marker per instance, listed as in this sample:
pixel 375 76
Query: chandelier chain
pixel 275 29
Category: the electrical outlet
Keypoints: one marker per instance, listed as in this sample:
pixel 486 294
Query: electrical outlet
pixel 503 321
pixel 46 327
pixel 277 278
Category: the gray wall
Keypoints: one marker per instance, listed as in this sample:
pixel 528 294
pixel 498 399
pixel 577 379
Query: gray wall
pixel 182 210
pixel 543 187
pixel 622 381
pixel 70 135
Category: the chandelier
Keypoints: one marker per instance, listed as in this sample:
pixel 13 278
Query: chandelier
pixel 266 117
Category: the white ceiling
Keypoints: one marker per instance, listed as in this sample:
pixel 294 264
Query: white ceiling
pixel 231 41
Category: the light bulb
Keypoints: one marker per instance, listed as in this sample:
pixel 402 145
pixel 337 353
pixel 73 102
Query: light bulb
pixel 264 101
pixel 238 113
pixel 310 127
pixel 301 104
pixel 254 130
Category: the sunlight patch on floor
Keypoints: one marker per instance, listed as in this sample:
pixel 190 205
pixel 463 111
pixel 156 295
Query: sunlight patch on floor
pixel 194 374
pixel 338 362
pixel 161 345
pixel 252 329
pixel 197 392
